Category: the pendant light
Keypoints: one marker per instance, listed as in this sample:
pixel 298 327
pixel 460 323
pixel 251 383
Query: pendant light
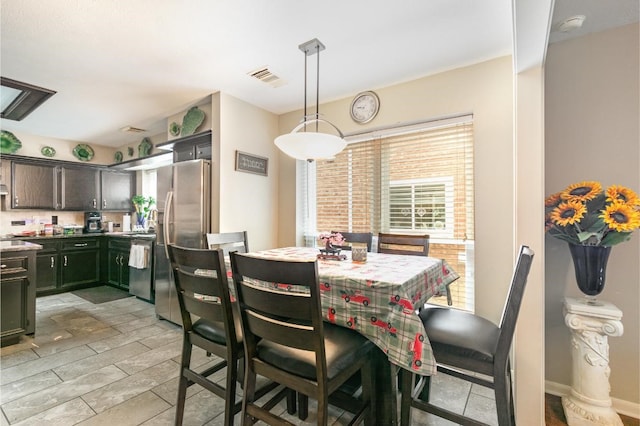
pixel 307 145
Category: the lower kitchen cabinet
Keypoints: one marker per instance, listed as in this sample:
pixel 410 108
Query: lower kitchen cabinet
pixel 66 264
pixel 47 261
pixel 17 296
pixel 80 261
pixel 118 262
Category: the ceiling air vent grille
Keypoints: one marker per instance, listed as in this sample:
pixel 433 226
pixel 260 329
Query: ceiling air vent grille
pixel 266 76
pixel 131 129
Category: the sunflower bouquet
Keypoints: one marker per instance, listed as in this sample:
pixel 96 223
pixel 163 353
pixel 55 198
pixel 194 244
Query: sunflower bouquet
pixel 584 214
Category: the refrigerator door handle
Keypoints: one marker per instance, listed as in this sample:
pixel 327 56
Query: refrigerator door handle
pixel 167 219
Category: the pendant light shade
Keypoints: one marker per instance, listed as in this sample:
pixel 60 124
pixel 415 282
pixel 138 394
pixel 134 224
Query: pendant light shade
pixel 307 145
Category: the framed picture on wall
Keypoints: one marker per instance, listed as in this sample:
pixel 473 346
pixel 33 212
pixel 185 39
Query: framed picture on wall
pixel 250 163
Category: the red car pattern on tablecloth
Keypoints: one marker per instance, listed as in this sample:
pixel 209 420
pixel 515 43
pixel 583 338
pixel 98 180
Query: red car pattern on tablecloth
pixel 405 304
pixel 331 315
pixel 386 326
pixel 325 287
pixel 356 297
pixel 351 322
pixel 415 348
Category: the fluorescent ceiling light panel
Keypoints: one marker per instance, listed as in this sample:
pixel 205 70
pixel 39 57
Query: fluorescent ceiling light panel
pixel 20 99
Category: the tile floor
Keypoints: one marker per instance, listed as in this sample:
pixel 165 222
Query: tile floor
pixel 115 363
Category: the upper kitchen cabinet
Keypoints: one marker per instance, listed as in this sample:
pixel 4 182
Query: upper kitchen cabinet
pixel 80 188
pixel 192 147
pixel 34 186
pixel 117 189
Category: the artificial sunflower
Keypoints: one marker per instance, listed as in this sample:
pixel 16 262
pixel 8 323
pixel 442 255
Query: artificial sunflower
pixel 583 191
pixel 568 213
pixel 621 217
pixel 620 193
pixel 584 214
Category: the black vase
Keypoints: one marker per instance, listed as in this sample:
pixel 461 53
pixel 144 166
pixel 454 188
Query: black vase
pixel 590 263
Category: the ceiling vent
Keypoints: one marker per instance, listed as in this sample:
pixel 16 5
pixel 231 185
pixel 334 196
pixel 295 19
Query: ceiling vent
pixel 266 76
pixel 131 129
pixel 20 99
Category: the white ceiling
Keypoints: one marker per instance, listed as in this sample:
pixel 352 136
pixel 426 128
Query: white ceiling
pixel 116 63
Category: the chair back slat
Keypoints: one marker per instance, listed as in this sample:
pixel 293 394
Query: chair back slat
pixel 229 241
pixel 267 327
pixel 289 318
pixel 355 237
pixel 199 275
pixel 415 245
pixel 201 284
pixel 277 302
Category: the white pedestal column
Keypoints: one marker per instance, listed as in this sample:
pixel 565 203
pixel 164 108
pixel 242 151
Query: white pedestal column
pixel 589 402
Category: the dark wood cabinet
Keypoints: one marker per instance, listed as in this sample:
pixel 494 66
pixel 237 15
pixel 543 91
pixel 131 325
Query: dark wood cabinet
pixel 34 186
pixel 67 263
pixel 191 147
pixel 118 262
pixel 47 261
pixel 61 185
pixel 80 259
pixel 80 188
pixel 117 189
pixel 17 295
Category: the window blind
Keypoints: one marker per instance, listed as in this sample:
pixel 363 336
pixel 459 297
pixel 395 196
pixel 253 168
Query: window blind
pixel 414 179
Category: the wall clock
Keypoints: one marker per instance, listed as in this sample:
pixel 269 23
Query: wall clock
pixel 364 107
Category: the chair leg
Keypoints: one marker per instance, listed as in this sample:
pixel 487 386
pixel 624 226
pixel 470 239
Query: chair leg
pixel 249 395
pixel 504 400
pixel 183 381
pixel 303 406
pixel 406 388
pixel 291 401
pixel 230 392
pixel 449 298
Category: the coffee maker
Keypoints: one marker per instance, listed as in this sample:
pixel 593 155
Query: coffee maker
pixel 93 222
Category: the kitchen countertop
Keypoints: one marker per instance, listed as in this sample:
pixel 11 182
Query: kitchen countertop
pixel 18 245
pixel 148 235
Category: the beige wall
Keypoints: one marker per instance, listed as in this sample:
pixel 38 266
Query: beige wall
pixel 484 89
pixel 248 201
pixel 592 115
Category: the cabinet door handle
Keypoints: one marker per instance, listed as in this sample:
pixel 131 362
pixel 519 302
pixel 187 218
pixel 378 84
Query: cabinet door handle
pixel 53 262
pixel 81 244
pixel 104 203
pixel 15 200
pixel 119 260
pixel 95 203
pixel 65 261
pixel 3 266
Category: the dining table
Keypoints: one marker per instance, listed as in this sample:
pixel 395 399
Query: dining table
pixel 380 299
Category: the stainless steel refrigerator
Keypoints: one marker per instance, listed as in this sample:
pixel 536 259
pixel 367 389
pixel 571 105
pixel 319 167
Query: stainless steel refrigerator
pixel 184 217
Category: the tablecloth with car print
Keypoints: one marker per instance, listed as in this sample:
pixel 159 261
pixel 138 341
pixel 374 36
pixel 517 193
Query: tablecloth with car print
pixel 378 298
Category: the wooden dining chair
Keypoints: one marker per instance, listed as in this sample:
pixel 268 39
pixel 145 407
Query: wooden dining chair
pixel 415 245
pixel 287 341
pixel 464 345
pixel 355 237
pixel 202 287
pixel 229 241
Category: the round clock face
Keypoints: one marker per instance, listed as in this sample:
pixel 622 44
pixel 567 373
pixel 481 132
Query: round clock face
pixel 364 107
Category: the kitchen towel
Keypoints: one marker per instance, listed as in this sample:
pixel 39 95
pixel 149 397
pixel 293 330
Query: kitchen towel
pixel 139 256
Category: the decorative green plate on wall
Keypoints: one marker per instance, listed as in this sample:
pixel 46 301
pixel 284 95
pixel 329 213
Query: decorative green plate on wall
pixel 48 151
pixel 144 148
pixel 191 121
pixel 83 152
pixel 118 157
pixel 9 143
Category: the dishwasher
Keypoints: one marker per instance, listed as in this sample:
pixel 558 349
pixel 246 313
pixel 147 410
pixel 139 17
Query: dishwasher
pixel 141 273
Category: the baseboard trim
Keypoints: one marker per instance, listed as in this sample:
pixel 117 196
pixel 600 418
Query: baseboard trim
pixel 621 406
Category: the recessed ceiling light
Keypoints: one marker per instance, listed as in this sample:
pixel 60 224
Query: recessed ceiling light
pixel 571 23
pixel 131 129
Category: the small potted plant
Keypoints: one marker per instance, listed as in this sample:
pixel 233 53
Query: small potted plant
pixel 142 205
